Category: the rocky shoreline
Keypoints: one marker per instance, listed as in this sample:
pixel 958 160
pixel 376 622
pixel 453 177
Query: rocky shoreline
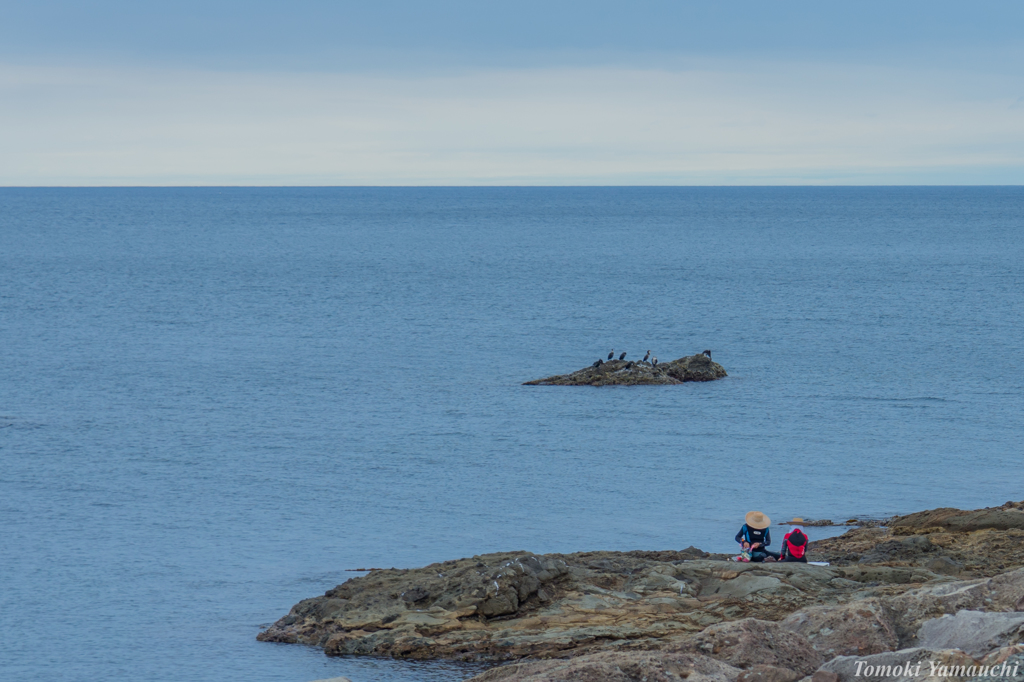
pixel 628 373
pixel 941 587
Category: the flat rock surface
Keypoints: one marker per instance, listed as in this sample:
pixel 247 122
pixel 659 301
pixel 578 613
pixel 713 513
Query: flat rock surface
pixel 629 373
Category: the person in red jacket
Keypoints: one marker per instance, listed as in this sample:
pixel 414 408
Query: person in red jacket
pixel 794 546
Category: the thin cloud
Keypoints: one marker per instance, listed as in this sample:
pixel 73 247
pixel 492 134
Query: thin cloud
pixel 716 122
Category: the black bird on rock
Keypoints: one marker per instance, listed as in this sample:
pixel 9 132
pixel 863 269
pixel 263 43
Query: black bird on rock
pixel 654 362
pixel 646 356
pixel 598 363
pixel 612 354
pixel 623 356
pixel 707 353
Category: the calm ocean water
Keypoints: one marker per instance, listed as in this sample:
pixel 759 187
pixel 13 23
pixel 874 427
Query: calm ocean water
pixel 213 401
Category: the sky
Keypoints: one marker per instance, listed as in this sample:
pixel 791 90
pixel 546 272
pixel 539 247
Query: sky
pixel 311 92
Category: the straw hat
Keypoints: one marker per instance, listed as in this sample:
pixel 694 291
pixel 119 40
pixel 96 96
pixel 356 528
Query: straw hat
pixel 756 519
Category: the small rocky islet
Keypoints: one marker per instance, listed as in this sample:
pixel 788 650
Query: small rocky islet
pixel 623 372
pixel 943 587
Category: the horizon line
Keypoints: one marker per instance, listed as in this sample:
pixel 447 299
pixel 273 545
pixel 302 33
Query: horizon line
pixel 807 186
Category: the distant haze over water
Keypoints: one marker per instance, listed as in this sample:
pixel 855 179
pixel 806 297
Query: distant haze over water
pixel 213 401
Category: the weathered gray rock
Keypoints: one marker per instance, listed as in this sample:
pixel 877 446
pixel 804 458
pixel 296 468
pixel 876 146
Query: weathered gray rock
pixel 860 628
pixel 944 565
pixel 973 632
pixel 749 642
pixel 912 608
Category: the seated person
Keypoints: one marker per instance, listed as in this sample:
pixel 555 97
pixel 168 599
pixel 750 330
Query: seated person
pixel 794 546
pixel 755 532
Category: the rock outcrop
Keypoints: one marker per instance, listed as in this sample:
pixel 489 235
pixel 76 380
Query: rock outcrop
pixel 676 615
pixel 1008 517
pixel 516 605
pixel 953 542
pixel 629 373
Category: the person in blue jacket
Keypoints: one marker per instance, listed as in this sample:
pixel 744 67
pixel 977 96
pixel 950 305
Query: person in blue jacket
pixel 757 536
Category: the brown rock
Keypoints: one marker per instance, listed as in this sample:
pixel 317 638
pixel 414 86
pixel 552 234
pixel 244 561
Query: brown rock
pixel 932 518
pixel 963 521
pixel 1000 655
pixel 947 541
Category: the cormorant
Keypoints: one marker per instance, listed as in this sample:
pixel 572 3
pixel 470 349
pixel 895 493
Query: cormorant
pixel 707 353
pixel 646 356
pixel 654 363
pixel 629 365
pixel 598 363
pixel 623 356
pixel 612 354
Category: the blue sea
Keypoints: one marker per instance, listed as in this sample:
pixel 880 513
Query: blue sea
pixel 216 401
